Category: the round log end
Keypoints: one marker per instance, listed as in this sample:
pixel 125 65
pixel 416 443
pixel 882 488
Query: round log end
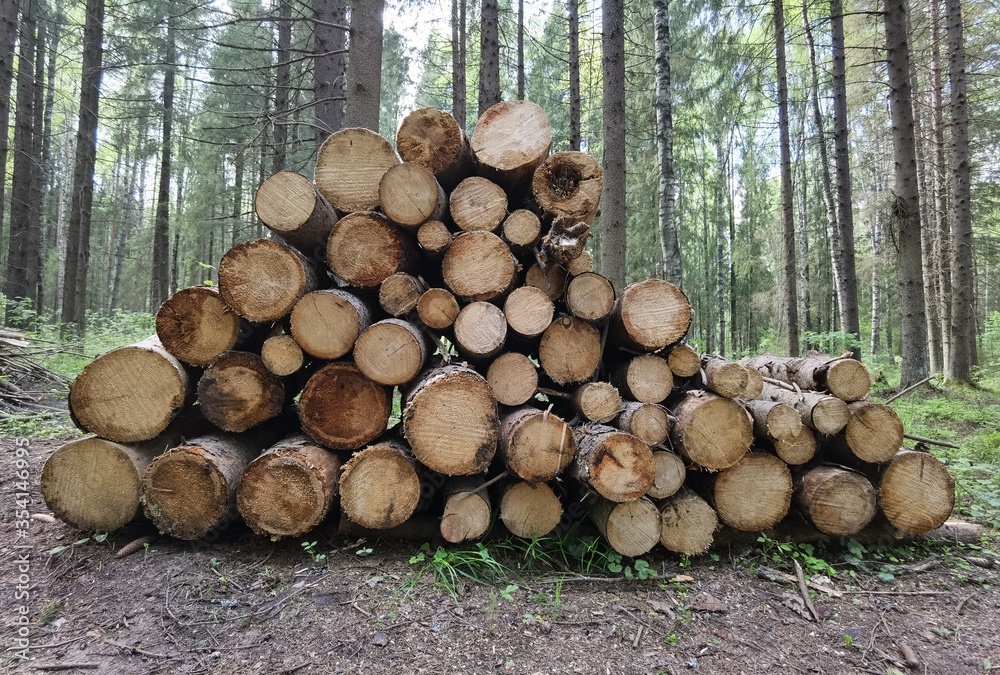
pixel 537 445
pixel 713 432
pixel 568 185
pixel 513 379
pixel 478 266
pixel 390 352
pixel 838 502
pixel 196 326
pixel 349 167
pixel 783 422
pixel 409 194
pixel 237 392
pixel 590 297
pixel 551 279
pixel 618 465
pixel 478 204
pixel 830 415
pixel 342 409
pixel 651 315
pixel 684 361
pixel 327 323
pixel 597 401
pixel 874 432
pixel 848 379
pixel 262 280
pixel 480 330
pixel 431 138
pixel 282 355
pixel 669 476
pixel 755 493
pixel 917 494
pixel 285 201
pixel 647 378
pixel 399 294
pixel 570 350
pixel 797 449
pixel 633 528
pixel 184 493
pixel 434 238
pixel 530 510
pixel 379 487
pixel 510 140
pixel 727 379
pixel 466 517
pixel 437 308
pixel 529 311
pixel 648 422
pixel 364 249
pixel 521 229
pixel 687 524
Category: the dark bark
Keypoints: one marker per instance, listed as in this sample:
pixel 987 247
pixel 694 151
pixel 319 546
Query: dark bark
pixel 720 247
pixel 8 40
pixel 670 250
pixel 520 50
pixel 489 69
pixel 613 201
pixel 942 237
pixel 573 19
pixel 364 75
pixel 237 214
pixel 787 220
pixel 282 85
pixel 458 61
pixel 159 289
pixel 330 64
pixel 35 259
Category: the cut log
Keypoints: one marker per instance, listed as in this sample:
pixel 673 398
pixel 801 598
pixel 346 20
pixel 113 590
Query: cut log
pixel 687 523
pixel 410 195
pixel 237 392
pixel 797 449
pixel 287 491
pixel 617 465
pixel 774 420
pixel 568 185
pixel 874 432
pixel 437 309
pixel 536 445
pixel 292 207
pixel 282 355
pixel 916 492
pixel 753 494
pixel 466 514
pixel 551 279
pixel 755 383
pixel 725 378
pixel 570 350
pixel 590 297
pixel 349 167
pixel 131 393
pixel 645 378
pixel 391 352
pixel 379 487
pixel 327 323
pixel 597 401
pixel 262 280
pixel 480 331
pixel 711 431
pixel 434 238
pixel 565 241
pixel 835 500
pixel 513 379
pixel 196 326
pixel 826 414
pixel 450 420
pixel 529 311
pixel 510 141
pixel 650 315
pixel 631 528
pixel 530 510
pixel 399 294
pixel 669 477
pixel 521 229
pixel 432 138
pixel 478 266
pixel 684 360
pixel 648 422
pixel 364 249
pixel 478 204
pixel 844 377
pixel 581 264
pixel 342 409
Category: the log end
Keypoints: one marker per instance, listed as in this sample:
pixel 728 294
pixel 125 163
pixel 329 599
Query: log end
pixel 687 524
pixel 530 510
pixel 513 379
pixel 196 326
pixel 342 409
pixel 285 201
pixel 650 315
pixel 838 502
pixel 755 493
pixel 916 492
pixel 184 494
pixel 379 487
pixel 669 476
pixel 237 392
pixel 830 415
pixel 848 379
pixel 874 432
pixel 713 432
pixel 282 495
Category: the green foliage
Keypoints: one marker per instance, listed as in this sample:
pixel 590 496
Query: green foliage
pixel 98 538
pixel 448 567
pixel 831 342
pixel 310 548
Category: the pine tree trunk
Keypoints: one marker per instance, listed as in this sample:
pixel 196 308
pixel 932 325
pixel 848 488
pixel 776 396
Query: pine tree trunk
pixel 520 50
pixel 458 98
pixel 612 260
pixel 573 19
pixel 670 250
pixel 8 40
pixel 364 75
pixel 943 244
pixel 720 249
pixel 160 280
pixel 330 63
pixel 282 85
pixel 489 68
pixel 36 240
pixel 787 220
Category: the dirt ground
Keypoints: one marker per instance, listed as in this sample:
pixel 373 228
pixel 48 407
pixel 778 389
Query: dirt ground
pixel 243 605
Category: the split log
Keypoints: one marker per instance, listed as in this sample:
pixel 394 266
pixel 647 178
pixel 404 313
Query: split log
pixel 478 266
pixel 844 377
pixel 131 393
pixel 342 409
pixel 774 420
pixel 466 514
pixel 364 249
pixel 669 476
pixel 530 510
pixel 916 492
pixel 645 378
pixel 262 280
pixel 797 449
pixel 410 195
pixel 288 490
pixel 536 445
pixel 196 326
pixel 826 414
pixel 434 238
pixel 711 431
pixel 617 465
pixel 391 352
pixel 510 141
pixel 292 207
pixel 725 378
pixel 349 167
pixel 478 204
pixel 513 379
pixel 551 279
pixel 650 315
pixel 450 420
pixel 631 528
pixel 687 523
pixel 597 401
pixel 753 494
pixel 529 312
pixel 432 138
pixel 480 331
pixel 282 355
pixel 570 350
pixel 874 432
pixel 565 241
pixel 399 294
pixel 581 264
pixel 684 361
pixel 568 185
pixel 648 422
pixel 327 323
pixel 437 309
pixel 237 392
pixel 379 487
pixel 835 500
pixel 521 229
pixel 590 297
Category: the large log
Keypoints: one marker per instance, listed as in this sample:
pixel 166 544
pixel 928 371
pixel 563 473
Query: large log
pixel 844 377
pixel 450 420
pixel 349 167
pixel 478 204
pixel 131 393
pixel 327 323
pixel 753 494
pixel 364 249
pixel 521 229
pixel 529 311
pixel 631 528
pixel 916 492
pixel 826 414
pixel 342 409
pixel 650 315
pixel 646 378
pixel 196 326
pixel 391 352
pixel 669 477
pixel 478 266
pixel 551 278
pixel 597 401
pixel 835 500
pixel 262 280
pixel 437 309
pixel 774 420
pixel 291 206
pixel 434 238
pixel 432 138
pixel 510 141
pixel 590 297
pixel 237 392
pixel 410 195
pixel 684 360
pixel 711 431
pixel 617 465
pixel 536 445
pixel 874 432
pixel 687 523
pixel 288 489
pixel 570 350
pixel 282 355
pixel 379 486
pixel 513 379
pixel 530 510
pixel 480 331
pixel 466 515
pixel 647 421
pixel 399 294
pixel 725 378
pixel 567 185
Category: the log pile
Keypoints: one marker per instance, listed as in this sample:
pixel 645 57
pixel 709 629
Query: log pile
pixel 423 336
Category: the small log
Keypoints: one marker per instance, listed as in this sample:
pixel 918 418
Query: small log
pixel 797 449
pixel 513 379
pixel 711 431
pixel 282 355
pixel 434 238
pixel 364 249
pixel 262 280
pixel 874 432
pixel 327 323
pixel 826 414
pixel 478 204
pixel 521 230
pixel 687 523
pixel 590 297
pixel 510 141
pixel 480 331
pixel 568 185
pixel 648 422
pixel 597 401
pixel 551 279
pixel 437 309
pixel 237 392
pixel 410 195
pixel 581 264
pixel 536 445
pixel 379 487
pixel 570 350
pixel 755 383
pixel 130 394
pixel 288 490
pixel 196 326
pixel 753 494
pixel 645 378
pixel 291 206
pixel 450 420
pixel 342 409
pixel 835 500
pixel 650 315
pixel 844 377
pixel 466 514
pixel 916 492
pixel 432 138
pixel 669 476
pixel 399 294
pixel 565 241
pixel 478 266
pixel 529 312
pixel 391 352
pixel 349 167
pixel 530 510
pixel 617 465
pixel 774 420
pixel 631 528
pixel 725 378
pixel 684 360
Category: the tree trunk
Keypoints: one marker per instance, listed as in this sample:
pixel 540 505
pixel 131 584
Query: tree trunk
pixel 237 392
pixel 160 279
pixel 458 61
pixel 364 76
pixel 787 220
pixel 489 67
pixel 342 409
pixel 327 323
pixel 290 206
pixel 942 226
pixel 536 445
pixel 520 50
pixel 8 40
pixel 876 281
pixel 573 20
pixel 613 260
pixel 262 280
pixel 379 486
pixel 711 431
pixel 670 250
pixel 282 85
pixel 330 63
pixel 239 168
pixel 196 326
pixel 39 169
pixel 617 465
pixel 720 248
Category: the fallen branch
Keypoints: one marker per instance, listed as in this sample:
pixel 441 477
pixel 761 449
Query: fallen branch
pixel 930 441
pixel 804 590
pixel 908 389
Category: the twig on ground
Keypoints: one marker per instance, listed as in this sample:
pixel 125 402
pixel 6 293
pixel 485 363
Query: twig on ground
pixel 930 441
pixel 961 605
pixel 804 590
pixel 67 666
pixel 906 391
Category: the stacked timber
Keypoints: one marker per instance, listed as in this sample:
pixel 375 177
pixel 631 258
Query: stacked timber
pixel 422 338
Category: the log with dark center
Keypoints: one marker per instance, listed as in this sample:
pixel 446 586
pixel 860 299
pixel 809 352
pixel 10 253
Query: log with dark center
pixel 342 409
pixel 568 185
pixel 237 392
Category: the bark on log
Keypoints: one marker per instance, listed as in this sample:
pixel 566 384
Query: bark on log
pixel 711 431
pixel 379 487
pixel 826 414
pixel 874 432
pixel 480 331
pixel 349 167
pixel 844 377
pixel 342 409
pixel 648 422
pixel 774 420
pixel 570 350
pixel 590 297
pixel 597 401
pixel 568 185
pixel 916 492
pixel 434 238
pixel 327 323
pixel 687 523
pixel 478 266
pixel 835 500
pixel 410 195
pixel 510 141
pixel 521 229
pixel 432 138
pixel 237 392
pixel 551 279
pixel 650 315
pixel 797 449
pixel 131 393
pixel 391 352
pixel 262 280
pixel 466 515
pixel 725 378
pixel 292 207
pixel 530 510
pixel 753 494
pixel 437 309
pixel 631 528
pixel 513 379
pixel 617 465
pixel 364 249
pixel 669 476
pixel 196 326
pixel 478 204
pixel 645 378
pixel 565 241
pixel 684 361
pixel 581 264
pixel 282 355
pixel 536 445
pixel 399 294
pixel 529 312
